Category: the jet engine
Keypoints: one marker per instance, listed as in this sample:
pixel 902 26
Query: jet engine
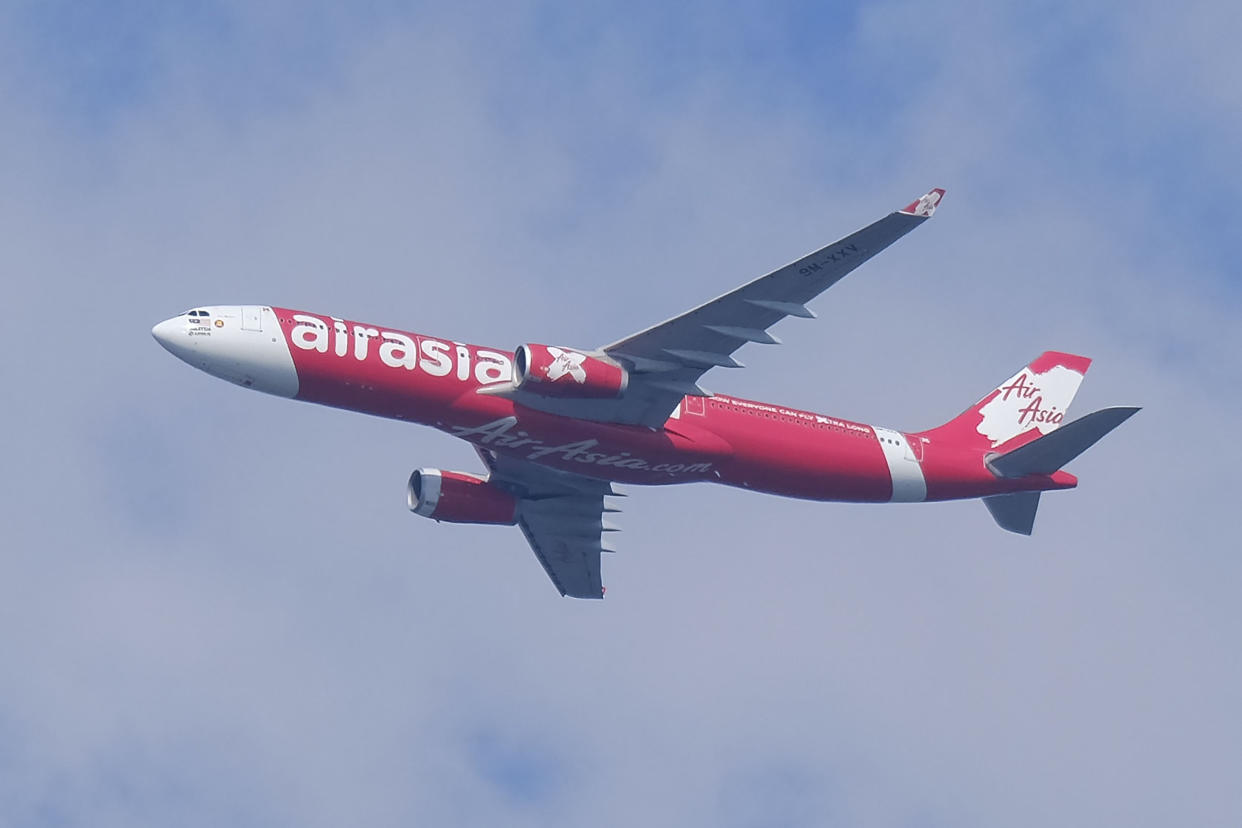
pixel 458 497
pixel 563 372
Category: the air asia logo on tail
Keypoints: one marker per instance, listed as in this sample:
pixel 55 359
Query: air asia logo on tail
pixel 1029 400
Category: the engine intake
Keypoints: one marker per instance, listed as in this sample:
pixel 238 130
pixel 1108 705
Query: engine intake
pixel 563 372
pixel 458 497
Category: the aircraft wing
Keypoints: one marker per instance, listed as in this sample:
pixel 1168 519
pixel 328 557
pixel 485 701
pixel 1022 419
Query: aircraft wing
pixel 667 360
pixel 562 517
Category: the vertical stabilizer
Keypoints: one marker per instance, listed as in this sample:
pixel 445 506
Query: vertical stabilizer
pixel 1028 405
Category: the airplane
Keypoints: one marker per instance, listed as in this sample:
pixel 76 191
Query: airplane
pixel 557 427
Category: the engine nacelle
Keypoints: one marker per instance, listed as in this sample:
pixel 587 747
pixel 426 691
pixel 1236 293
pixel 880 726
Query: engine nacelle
pixel 563 372
pixel 458 497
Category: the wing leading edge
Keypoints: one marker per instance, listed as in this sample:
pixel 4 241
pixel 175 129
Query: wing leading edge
pixel 666 361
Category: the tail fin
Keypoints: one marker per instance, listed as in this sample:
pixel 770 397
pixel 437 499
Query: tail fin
pixel 1028 405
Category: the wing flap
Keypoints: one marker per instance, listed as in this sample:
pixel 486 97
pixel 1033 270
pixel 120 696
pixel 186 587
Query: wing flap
pixel 562 517
pixel 572 565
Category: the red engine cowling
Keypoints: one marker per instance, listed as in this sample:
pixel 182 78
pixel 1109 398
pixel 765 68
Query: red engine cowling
pixel 563 372
pixel 459 498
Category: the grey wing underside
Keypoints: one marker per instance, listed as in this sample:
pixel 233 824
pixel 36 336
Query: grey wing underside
pixel 563 518
pixel 666 361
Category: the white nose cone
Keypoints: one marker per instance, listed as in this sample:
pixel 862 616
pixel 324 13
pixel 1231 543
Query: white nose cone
pixel 241 344
pixel 171 333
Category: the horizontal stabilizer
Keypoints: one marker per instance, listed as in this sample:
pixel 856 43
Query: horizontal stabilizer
pixel 1014 512
pixel 1052 451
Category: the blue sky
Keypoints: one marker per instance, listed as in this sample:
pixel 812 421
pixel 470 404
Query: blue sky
pixel 214 606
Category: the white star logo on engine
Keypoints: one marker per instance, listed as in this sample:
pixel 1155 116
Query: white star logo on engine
pixel 566 362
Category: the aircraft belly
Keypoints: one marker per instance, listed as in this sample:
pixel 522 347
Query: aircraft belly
pixel 824 467
pixel 619 466
pixel 626 454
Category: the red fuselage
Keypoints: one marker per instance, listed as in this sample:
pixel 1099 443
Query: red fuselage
pixel 752 445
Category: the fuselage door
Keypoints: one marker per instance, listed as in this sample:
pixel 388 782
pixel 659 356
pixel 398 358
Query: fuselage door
pixel 252 318
pixel 914 448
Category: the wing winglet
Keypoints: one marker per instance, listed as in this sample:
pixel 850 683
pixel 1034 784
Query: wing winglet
pixel 925 205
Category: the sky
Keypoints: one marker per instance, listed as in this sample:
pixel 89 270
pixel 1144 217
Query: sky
pixel 216 609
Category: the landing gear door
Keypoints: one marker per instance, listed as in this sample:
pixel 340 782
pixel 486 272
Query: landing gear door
pixel 252 318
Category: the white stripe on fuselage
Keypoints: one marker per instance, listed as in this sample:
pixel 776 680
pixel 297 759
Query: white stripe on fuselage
pixel 906 473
